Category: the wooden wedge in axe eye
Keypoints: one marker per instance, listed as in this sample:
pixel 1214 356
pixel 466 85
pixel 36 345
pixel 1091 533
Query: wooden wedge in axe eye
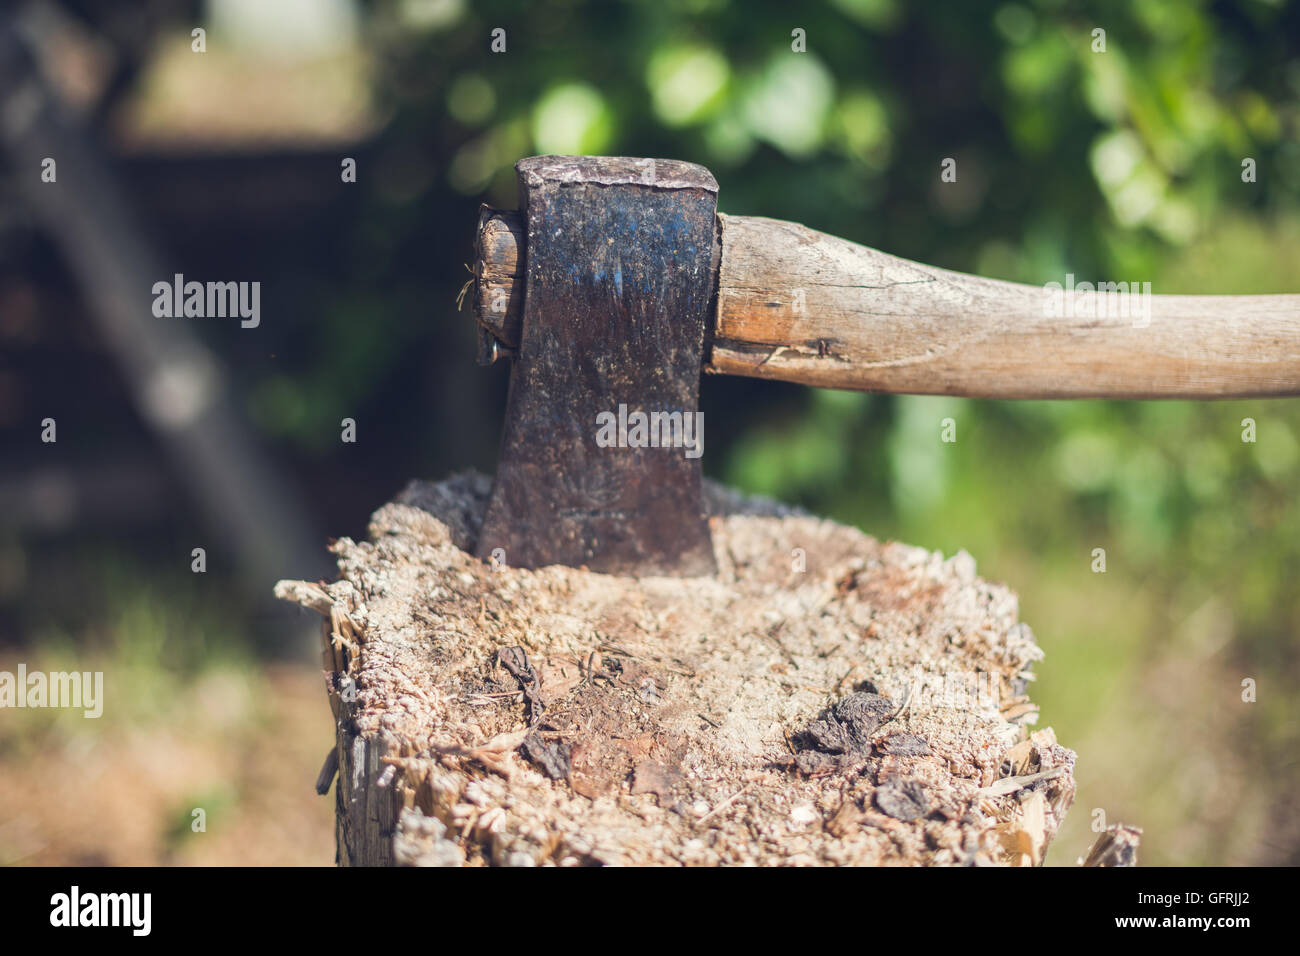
pixel 617 283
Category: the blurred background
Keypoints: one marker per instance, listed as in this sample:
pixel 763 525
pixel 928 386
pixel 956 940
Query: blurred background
pixel 1122 165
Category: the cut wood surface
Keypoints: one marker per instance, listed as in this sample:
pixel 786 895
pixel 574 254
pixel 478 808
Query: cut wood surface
pixel 825 699
pixel 801 306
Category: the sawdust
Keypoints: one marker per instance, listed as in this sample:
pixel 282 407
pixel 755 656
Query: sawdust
pixel 825 699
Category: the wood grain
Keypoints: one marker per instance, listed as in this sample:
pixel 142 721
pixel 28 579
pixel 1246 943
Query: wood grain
pixel 498 273
pixel 875 322
pixel 800 306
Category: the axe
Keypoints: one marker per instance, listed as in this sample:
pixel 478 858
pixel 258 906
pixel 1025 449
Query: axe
pixel 617 283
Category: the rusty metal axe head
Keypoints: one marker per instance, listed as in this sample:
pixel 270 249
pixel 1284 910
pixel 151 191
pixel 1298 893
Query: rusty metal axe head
pixel 599 461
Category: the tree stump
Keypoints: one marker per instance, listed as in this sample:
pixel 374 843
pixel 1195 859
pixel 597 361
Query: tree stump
pixel 825 699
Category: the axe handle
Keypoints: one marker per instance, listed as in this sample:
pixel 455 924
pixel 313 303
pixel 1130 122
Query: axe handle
pixel 800 306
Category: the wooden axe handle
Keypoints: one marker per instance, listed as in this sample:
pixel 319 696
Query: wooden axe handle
pixel 800 306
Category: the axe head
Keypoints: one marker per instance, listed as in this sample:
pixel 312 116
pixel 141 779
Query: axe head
pixel 619 261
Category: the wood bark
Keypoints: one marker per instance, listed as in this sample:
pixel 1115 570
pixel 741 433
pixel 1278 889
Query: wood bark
pixel 800 306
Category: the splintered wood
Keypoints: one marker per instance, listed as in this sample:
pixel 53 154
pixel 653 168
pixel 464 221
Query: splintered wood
pixel 825 699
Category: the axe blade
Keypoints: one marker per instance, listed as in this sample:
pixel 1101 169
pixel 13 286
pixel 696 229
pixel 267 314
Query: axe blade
pixel 622 256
